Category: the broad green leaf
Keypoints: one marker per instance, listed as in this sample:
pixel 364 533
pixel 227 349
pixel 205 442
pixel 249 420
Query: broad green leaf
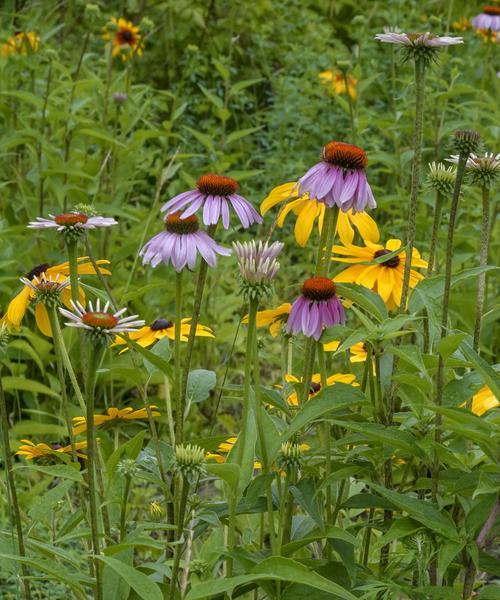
pixel 44 505
pixel 11 384
pixel 200 383
pixel 241 85
pixel 142 585
pixel 328 533
pixel 62 471
pixel 448 345
pixel 369 301
pixel 241 133
pixel 228 472
pixel 491 377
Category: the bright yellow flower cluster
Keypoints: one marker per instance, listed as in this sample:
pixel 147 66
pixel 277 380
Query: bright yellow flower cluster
pixel 114 414
pixel 336 81
pixel 30 450
pixel 21 43
pixel 125 38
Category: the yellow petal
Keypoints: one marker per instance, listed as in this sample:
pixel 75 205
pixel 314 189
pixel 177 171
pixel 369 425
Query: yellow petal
pixel 305 222
pixel 17 307
pixel 42 320
pixel 276 195
pixel 366 226
pixel 344 229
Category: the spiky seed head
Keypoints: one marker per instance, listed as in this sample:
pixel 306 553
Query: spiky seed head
pixel 466 141
pixel 441 178
pixel 189 459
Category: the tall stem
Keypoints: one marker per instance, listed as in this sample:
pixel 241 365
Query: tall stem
pixel 326 435
pixel 92 365
pixel 415 175
pixel 435 232
pixel 180 529
pixel 14 501
pixel 179 397
pixel 200 286
pixel 483 261
pixel 72 249
pixel 462 160
pixel 326 241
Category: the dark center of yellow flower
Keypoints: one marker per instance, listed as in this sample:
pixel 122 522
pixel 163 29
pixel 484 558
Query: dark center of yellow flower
pixel 160 324
pixel 174 224
pixel 216 185
pixel 346 156
pixel 491 10
pixel 126 37
pixel 36 271
pixel 318 289
pixel 56 446
pixel 315 387
pixel 392 262
pixel 71 218
pixel 100 319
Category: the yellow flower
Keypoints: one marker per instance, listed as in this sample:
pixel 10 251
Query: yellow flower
pixel 148 335
pixel 461 24
pixel 384 278
pixel 31 450
pixel 489 36
pixel 337 82
pixel 114 414
pixel 275 318
pixel 126 38
pixel 19 304
pixel 483 401
pixel 22 43
pixel 223 449
pixel 308 211
pixel 316 384
pixel 357 352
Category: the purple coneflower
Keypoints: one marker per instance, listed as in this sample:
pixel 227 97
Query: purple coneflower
pixel 257 261
pixel 339 179
pixel 418 39
pixel 315 308
pixel 488 19
pixel 74 220
pixel 100 321
pixel 180 244
pixel 215 193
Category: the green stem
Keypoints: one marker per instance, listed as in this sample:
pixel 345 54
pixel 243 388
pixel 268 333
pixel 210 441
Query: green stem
pixel 435 232
pixel 308 369
pixel 180 529
pixel 415 176
pixel 351 107
pixel 462 161
pixel 92 365
pixel 326 241
pixel 72 249
pixel 179 397
pixel 483 261
pixel 123 514
pixel 11 483
pixel 326 435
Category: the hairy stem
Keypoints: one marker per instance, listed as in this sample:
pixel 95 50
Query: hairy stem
pixel 180 528
pixel 179 397
pixel 483 261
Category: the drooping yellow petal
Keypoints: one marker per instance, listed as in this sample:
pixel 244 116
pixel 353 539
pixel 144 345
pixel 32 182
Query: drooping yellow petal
pixel 42 320
pixel 305 222
pixel 276 195
pixel 344 229
pixel 17 307
pixel 366 226
pixel 288 207
pixel 385 283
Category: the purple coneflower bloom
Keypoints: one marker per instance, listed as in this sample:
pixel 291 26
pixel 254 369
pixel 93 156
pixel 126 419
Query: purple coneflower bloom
pixel 488 19
pixel 339 179
pixel 315 308
pixel 257 261
pixel 215 193
pixel 180 243
pixel 418 39
pixel 74 220
pixel 99 321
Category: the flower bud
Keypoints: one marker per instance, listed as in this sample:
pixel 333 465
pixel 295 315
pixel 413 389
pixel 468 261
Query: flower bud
pixel 466 141
pixel 189 459
pixel 441 178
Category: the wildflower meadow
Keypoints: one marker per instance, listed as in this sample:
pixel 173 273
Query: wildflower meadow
pixel 249 318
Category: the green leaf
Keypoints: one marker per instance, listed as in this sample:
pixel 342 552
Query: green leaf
pixel 199 385
pixel 144 587
pixel 203 138
pixel 26 385
pixel 44 505
pixel 369 301
pixel 491 377
pixel 241 85
pixel 228 472
pixel 215 100
pixel 328 533
pixel 156 362
pixel 241 133
pixel 63 471
pixel 448 345
pixel 422 511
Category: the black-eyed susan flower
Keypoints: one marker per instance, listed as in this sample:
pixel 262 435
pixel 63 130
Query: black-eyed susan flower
pixel 337 82
pixel 30 450
pixel 489 19
pixel 100 324
pixel 180 243
pixel 310 211
pixel 274 318
pixel 357 352
pixel 461 24
pixel 126 38
pixel 385 278
pixel 22 43
pixel 113 415
pixel 339 179
pixel 483 401
pixel 223 449
pixel 149 334
pixel 316 308
pixel 215 194
pixel 315 386
pixel 19 304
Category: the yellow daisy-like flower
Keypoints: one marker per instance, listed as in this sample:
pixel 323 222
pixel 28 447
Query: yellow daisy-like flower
pixel 223 449
pixel 358 352
pixel 335 79
pixel 274 318
pixel 316 384
pixel 483 401
pixel 384 278
pixel 148 335
pixel 19 304
pixel 125 37
pixel 22 43
pixel 461 24
pixel 30 450
pixel 114 414
pixel 308 211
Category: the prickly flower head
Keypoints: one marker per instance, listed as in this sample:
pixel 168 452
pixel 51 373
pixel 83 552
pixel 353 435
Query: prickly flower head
pixel 47 290
pixel 441 178
pixel 466 141
pixel 258 265
pixel 290 455
pixel 484 170
pixel 189 459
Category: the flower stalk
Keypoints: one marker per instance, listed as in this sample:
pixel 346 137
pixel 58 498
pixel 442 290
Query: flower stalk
pixel 179 396
pixel 483 261
pixel 435 232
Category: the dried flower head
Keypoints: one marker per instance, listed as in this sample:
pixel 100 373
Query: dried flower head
pixel 466 141
pixel 189 459
pixel 441 178
pixel 484 170
pixel 258 265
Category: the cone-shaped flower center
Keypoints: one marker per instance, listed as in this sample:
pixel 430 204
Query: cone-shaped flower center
pixel 126 36
pixel 346 156
pixel 315 387
pixel 103 320
pixel 318 289
pixel 392 262
pixel 71 218
pixel 47 285
pixel 160 324
pixel 38 270
pixel 216 185
pixel 174 223
pixel 491 10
